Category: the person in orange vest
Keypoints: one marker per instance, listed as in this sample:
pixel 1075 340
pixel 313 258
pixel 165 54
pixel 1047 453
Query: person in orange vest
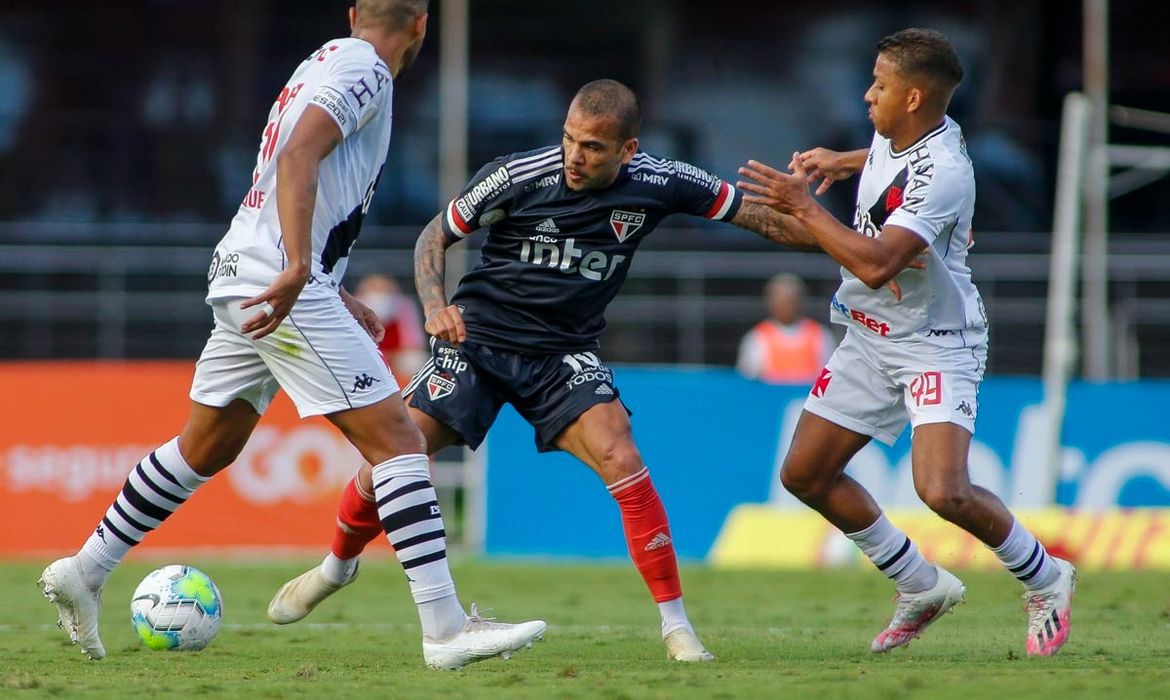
pixel 787 347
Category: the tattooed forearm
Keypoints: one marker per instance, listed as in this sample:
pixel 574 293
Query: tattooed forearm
pixel 776 227
pixel 430 259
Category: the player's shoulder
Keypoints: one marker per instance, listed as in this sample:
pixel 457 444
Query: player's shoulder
pixel 523 164
pixel 348 53
pixel 948 149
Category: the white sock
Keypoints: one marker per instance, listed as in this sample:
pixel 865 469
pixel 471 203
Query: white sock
pixel 409 511
pixel 338 571
pixel 442 618
pixel 896 556
pixel 674 616
pixel 1023 555
pixel 160 483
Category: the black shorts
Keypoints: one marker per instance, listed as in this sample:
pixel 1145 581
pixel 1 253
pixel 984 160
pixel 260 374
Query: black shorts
pixel 465 387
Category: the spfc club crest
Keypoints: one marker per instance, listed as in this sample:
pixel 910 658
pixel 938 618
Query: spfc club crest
pixel 625 223
pixel 439 386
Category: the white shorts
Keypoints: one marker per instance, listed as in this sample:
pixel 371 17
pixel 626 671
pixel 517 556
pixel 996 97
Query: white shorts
pixel 319 355
pixel 874 386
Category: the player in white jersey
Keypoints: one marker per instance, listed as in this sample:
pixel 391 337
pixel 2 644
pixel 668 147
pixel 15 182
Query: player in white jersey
pixel 282 320
pixel 916 356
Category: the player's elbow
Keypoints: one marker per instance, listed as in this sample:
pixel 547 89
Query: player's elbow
pixel 877 276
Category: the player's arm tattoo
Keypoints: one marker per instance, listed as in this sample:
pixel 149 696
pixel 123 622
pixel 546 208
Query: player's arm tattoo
pixel 430 260
pixel 776 227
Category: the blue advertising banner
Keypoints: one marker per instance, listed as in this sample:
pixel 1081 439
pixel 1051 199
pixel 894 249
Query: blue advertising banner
pixel 714 440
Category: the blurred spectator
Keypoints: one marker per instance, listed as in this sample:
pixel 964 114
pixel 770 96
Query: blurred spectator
pixel 403 345
pixel 786 347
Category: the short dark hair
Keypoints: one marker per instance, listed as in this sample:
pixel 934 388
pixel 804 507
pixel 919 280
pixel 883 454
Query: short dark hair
pixel 395 14
pixel 924 53
pixel 609 98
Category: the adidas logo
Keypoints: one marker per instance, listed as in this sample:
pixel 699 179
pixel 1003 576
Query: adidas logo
pixel 603 390
pixel 547 226
pixel 660 540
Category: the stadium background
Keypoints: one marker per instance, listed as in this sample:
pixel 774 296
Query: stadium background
pixel 125 150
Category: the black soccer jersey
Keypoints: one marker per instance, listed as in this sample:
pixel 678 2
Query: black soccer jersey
pixel 554 258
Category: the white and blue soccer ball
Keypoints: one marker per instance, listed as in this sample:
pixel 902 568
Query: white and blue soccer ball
pixel 176 608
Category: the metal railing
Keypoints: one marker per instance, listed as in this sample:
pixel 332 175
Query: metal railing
pixel 71 301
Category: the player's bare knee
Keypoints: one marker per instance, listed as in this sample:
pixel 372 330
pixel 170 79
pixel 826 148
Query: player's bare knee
pixel 619 461
pixel 946 500
pixel 804 484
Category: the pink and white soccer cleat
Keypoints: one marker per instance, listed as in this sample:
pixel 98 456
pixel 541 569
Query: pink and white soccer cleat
pixel 915 611
pixel 1049 610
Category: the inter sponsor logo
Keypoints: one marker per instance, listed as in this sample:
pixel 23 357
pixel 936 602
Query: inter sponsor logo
pixel 625 223
pixel 544 250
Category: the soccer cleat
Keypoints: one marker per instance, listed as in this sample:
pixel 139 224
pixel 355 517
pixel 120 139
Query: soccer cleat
pixel 683 645
pixel 78 606
pixel 298 597
pixel 915 611
pixel 1049 610
pixel 481 638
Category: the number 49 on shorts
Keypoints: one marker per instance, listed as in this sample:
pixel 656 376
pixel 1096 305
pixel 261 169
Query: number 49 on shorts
pixel 926 389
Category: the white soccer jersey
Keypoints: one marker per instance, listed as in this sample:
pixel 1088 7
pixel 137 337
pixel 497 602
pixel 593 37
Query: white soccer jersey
pixel 345 78
pixel 928 188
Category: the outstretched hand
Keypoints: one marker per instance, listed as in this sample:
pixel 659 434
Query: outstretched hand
pixel 828 166
pixel 787 194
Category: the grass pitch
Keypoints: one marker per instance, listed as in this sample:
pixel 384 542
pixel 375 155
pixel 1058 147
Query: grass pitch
pixel 777 634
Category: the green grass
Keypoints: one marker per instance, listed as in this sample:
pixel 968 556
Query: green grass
pixel 791 635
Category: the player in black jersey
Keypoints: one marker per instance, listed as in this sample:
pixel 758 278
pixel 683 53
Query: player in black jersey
pixel 563 223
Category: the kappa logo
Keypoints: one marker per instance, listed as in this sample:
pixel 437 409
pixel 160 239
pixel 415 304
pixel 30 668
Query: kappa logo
pixel 822 383
pixel 548 226
pixel 101 532
pixel 965 409
pixel 625 223
pixel 364 382
pixel 439 386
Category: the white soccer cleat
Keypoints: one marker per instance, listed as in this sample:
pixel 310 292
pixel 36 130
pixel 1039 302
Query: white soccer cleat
pixel 1049 610
pixel 683 645
pixel 916 611
pixel 78 606
pixel 481 638
pixel 298 597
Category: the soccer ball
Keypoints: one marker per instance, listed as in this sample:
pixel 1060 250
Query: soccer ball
pixel 176 608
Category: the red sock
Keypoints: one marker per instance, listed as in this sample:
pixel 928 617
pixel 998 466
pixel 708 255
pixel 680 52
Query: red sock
pixel 357 522
pixel 648 535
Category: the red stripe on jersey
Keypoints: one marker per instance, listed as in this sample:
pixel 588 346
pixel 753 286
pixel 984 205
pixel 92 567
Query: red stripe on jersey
pixel 724 193
pixel 462 225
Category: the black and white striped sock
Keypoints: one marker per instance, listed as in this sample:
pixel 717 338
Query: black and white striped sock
pixel 160 483
pixel 409 510
pixel 1023 555
pixel 895 555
